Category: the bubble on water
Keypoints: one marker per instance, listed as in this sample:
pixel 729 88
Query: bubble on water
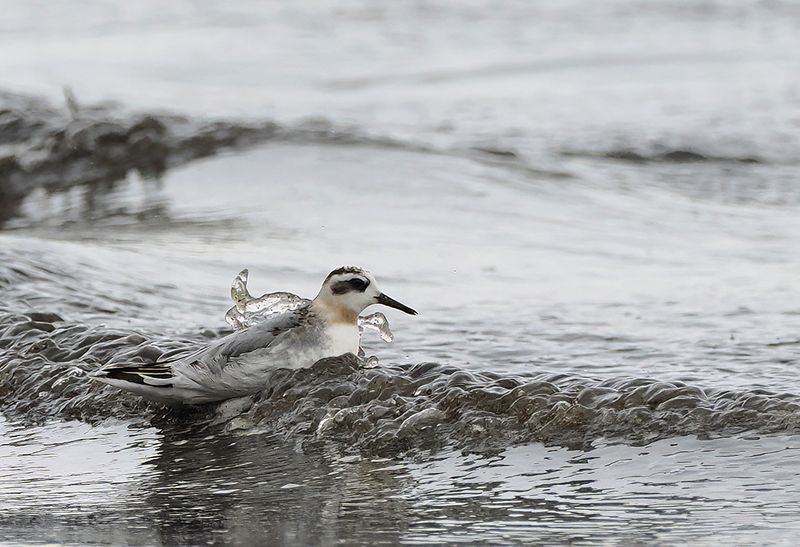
pixel 370 362
pixel 248 311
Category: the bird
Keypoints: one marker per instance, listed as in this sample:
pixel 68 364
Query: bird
pixel 241 363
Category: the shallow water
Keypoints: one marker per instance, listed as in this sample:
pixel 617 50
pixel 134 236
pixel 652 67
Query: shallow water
pixel 137 485
pixel 594 209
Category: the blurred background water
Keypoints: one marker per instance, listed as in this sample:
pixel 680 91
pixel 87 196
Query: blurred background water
pixel 607 190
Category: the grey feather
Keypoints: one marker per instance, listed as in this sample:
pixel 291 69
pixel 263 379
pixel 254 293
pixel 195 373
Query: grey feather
pixel 216 356
pixel 257 338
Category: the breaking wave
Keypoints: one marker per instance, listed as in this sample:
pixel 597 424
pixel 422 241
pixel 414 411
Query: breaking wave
pixel 46 147
pixel 386 409
pixel 56 148
pixel 669 155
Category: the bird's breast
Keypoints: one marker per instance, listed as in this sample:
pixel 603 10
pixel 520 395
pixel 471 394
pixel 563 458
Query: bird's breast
pixel 342 338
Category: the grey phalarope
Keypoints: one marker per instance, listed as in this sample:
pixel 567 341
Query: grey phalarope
pixel 240 363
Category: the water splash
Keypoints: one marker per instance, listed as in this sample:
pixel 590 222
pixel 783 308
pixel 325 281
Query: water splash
pixel 248 311
pixel 377 322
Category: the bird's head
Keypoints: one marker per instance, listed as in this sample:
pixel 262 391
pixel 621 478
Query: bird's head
pixel 348 290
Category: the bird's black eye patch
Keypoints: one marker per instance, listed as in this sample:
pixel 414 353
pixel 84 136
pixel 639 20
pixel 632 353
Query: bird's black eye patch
pixel 358 284
pixel 355 284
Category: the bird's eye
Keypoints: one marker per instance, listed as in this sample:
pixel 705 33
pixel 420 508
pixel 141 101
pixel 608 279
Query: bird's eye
pixel 357 283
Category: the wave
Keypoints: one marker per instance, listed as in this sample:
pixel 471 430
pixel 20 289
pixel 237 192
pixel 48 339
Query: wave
pixel 388 409
pixel 58 148
pixel 42 146
pixel 670 155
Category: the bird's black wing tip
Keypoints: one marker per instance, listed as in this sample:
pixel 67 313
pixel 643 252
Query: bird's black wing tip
pixel 137 374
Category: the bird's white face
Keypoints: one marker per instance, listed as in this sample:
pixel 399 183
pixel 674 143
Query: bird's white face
pixel 354 289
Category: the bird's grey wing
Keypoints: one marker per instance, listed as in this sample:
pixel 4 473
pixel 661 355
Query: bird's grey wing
pixel 257 338
pixel 213 357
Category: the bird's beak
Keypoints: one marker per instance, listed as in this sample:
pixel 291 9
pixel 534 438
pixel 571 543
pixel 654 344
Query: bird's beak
pixel 392 303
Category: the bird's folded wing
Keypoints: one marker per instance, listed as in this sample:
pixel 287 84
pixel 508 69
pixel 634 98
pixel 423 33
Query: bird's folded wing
pixel 211 358
pixel 257 338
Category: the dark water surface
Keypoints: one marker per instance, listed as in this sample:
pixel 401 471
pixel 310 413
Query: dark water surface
pixel 595 209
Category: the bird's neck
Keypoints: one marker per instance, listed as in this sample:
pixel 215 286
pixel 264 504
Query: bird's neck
pixel 333 314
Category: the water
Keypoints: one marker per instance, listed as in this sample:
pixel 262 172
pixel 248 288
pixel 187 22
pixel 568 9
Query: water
pixel 259 489
pixel 594 208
